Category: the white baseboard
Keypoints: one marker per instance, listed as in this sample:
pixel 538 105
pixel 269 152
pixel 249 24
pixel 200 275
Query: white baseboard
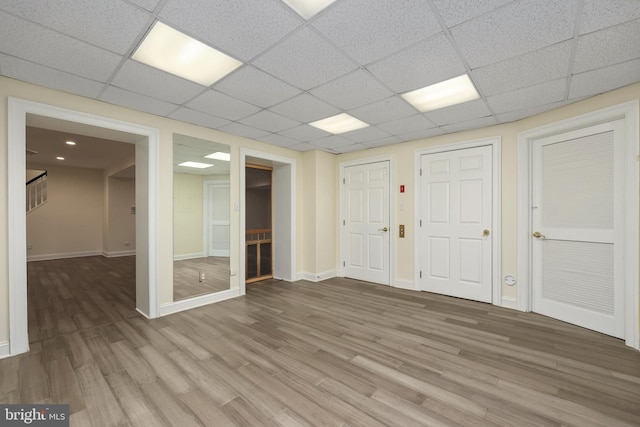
pixel 5 350
pixel 404 284
pixel 509 302
pixel 311 277
pixel 116 254
pixel 199 301
pixel 183 257
pixel 64 255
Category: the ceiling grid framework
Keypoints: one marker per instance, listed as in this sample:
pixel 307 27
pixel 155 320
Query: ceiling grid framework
pixel 356 57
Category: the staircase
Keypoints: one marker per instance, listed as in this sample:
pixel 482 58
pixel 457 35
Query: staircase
pixel 36 192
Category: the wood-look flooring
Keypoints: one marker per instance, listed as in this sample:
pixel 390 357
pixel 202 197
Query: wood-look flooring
pixel 335 353
pixel 186 273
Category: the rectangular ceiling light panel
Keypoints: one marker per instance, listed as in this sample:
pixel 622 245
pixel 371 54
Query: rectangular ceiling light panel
pixel 174 52
pixel 339 124
pixel 219 155
pixel 308 8
pixel 195 165
pixel 444 94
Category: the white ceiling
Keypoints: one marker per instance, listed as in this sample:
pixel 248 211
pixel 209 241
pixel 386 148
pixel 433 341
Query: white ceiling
pixel 356 56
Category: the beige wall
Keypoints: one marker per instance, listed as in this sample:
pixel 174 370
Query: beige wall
pixel 316 183
pixel 403 154
pixel 187 215
pixel 70 223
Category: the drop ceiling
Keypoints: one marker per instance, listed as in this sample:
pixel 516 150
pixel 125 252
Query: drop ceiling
pixel 356 57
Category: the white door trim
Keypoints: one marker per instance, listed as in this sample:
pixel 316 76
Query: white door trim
pixel 392 213
pixel 146 270
pixel 495 143
pixel 628 112
pixel 286 270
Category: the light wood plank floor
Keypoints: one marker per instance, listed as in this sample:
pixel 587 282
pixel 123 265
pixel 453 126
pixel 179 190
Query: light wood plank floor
pixel 335 353
pixel 186 282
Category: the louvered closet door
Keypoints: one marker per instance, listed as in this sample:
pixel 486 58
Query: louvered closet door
pixel 577 228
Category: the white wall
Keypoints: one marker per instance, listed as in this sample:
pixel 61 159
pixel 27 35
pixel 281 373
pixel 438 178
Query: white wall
pixel 121 223
pixel 70 223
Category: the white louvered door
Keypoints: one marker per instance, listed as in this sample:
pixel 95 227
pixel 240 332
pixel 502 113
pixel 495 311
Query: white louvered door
pixel 577 227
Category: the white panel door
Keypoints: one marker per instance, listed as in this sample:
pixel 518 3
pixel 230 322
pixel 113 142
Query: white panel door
pixel 455 236
pixel 577 227
pixel 218 219
pixel 366 222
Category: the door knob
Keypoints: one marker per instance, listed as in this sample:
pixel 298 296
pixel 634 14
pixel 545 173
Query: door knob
pixel 485 233
pixel 383 229
pixel 538 235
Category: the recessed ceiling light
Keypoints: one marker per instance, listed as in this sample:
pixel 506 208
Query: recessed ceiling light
pixel 308 8
pixel 195 165
pixel 339 124
pixel 176 53
pixel 59 158
pixel 444 94
pixel 219 155
pixel 70 143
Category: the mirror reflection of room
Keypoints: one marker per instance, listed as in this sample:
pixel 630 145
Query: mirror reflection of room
pixel 201 217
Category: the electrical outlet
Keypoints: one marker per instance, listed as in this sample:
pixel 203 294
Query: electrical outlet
pixel 202 276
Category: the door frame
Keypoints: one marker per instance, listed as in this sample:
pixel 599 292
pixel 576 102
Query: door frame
pixel 283 193
pixel 147 230
pixel 628 112
pixel 392 214
pixel 496 224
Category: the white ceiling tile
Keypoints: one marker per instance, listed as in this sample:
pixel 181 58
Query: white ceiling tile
pixel 372 29
pixel 407 125
pixel 149 5
pixel 305 108
pixel 34 43
pixel 269 121
pixel 459 113
pixel 279 140
pixel 48 77
pixel 382 142
pixel 426 133
pixel 383 111
pixel 599 14
pixel 430 61
pixel 472 124
pixel 152 82
pixel 604 79
pixel 113 25
pixel 332 142
pixel 517 28
pixel 303 147
pixel 115 95
pixel 352 90
pixel 351 148
pixel 221 105
pixel 305 60
pixel 512 116
pixel 370 133
pixel 256 87
pixel 458 11
pixel 243 130
pixel 242 29
pixel 196 117
pixel 608 47
pixel 546 64
pixel 531 96
pixel 305 133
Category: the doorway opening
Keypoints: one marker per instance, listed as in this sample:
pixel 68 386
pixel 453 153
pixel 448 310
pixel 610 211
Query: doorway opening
pixel 259 223
pixel 146 152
